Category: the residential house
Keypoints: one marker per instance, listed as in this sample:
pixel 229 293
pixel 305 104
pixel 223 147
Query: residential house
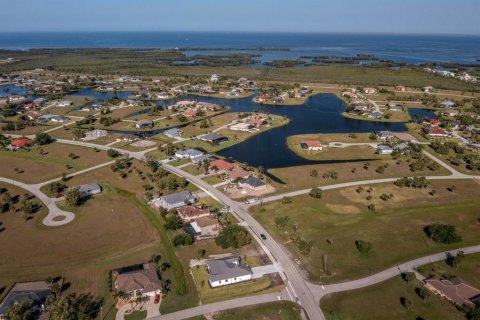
pixel 451 112
pixel 188 154
pixel 400 88
pixel 59 118
pixel 227 271
pixel 20 143
pixel 191 212
pixel 238 173
pixel 433 122
pixel 370 90
pixel 174 200
pixel 213 138
pixel 32 115
pixel 403 148
pixel 214 78
pixel 190 113
pixel 384 135
pixel 144 124
pixel 349 95
pixel 252 183
pixel 428 89
pixel 448 104
pixel 395 108
pixel 89 189
pixel 94 134
pixel 138 279
pixel 37 292
pixel 384 149
pixel 375 115
pixel 128 137
pixel 436 132
pixel 64 103
pixel 311 145
pixel 221 166
pixel 173 132
pixel 206 106
pixel 201 159
pixel 206 227
pixel 455 290
pixel 241 126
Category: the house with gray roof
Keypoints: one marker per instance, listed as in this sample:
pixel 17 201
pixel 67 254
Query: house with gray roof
pixel 174 200
pixel 144 124
pixel 138 279
pixel 252 183
pixel 222 272
pixel 89 189
pixel 213 138
pixel 36 292
pixel 173 133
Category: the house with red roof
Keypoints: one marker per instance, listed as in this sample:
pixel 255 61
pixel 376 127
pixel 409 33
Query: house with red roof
pixel 32 115
pixel 222 166
pixel 190 113
pixel 437 132
pixel 311 145
pixel 20 143
pixel 433 122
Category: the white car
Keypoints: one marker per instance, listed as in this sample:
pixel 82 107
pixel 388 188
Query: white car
pixel 251 200
pixel 297 261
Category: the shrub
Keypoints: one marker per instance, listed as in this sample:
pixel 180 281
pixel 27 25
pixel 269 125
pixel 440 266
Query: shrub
pixel 442 233
pixel 183 239
pixel 112 153
pixel 316 193
pixel 364 247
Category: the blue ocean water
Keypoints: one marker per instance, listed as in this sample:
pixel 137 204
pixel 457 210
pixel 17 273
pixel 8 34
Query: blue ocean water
pixel 400 48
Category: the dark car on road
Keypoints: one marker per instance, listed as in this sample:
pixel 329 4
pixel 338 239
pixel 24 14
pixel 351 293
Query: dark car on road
pixel 264 237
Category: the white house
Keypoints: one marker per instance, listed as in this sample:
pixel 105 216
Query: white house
pixel 246 127
pixel 89 189
pixel 94 134
pixel 370 90
pixel 173 133
pixel 64 103
pixel 384 149
pixel 188 154
pixel 311 145
pixel 222 272
pixel 174 200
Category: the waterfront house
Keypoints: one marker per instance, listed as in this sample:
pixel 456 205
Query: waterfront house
pixel 241 126
pixel 174 200
pixel 32 115
pixel 191 212
pixel 451 112
pixel 94 134
pixel 349 95
pixel 64 103
pixel 448 104
pixel 252 183
pixel 59 118
pixel 128 137
pixel 20 143
pixel 384 135
pixel 142 279
pixel 456 291
pixel 428 89
pixel 190 113
pixel 395 108
pixel 436 132
pixel 144 124
pixel 227 271
pixel 221 166
pixel 384 149
pixel 311 145
pixel 238 173
pixel 213 138
pixel 188 154
pixel 173 133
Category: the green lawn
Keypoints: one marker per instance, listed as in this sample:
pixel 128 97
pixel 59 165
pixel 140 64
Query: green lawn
pixel 213 179
pixel 209 295
pixel 395 230
pixel 137 315
pixel 283 310
pixel 382 301
pixel 193 169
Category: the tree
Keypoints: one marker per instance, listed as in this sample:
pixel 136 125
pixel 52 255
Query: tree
pixel 73 196
pixel 305 247
pixel 183 239
pixel 408 276
pixel 281 221
pixel 316 193
pixel 405 302
pixel 364 247
pixel 174 223
pixel 20 311
pixel 153 164
pixel 27 207
pixel 112 153
pixel 422 293
pixel 233 235
pixel 55 187
pixel 314 173
pixel 442 233
pixel 454 260
pixel 201 252
pixel 42 138
pixel 81 307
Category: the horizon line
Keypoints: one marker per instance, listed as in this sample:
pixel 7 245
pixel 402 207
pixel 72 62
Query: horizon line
pixel 247 31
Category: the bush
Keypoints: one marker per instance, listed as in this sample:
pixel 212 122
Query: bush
pixel 234 236
pixel 442 233
pixel 174 223
pixel 316 193
pixel 73 197
pixel 183 239
pixel 112 153
pixel 364 247
pixel 42 138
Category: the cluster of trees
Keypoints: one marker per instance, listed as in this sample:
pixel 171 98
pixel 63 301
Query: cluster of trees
pixel 444 147
pixel 108 121
pixel 87 120
pixel 42 138
pixel 415 182
pixel 364 247
pixel 234 236
pixel 332 174
pixel 442 233
pixel 73 197
pixel 112 153
pixel 55 187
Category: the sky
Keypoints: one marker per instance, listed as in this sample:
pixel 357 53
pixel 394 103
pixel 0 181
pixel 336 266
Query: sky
pixel 354 16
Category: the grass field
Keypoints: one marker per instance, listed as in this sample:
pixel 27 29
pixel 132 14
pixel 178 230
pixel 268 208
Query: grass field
pixel 137 315
pixel 392 117
pixel 295 178
pixel 213 179
pixel 270 311
pixel 45 162
pixel 108 232
pixel 395 229
pixel 382 301
pixel 215 122
pixel 326 138
pixel 468 269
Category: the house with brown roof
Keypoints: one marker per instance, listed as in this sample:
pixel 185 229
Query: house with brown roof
pixel 192 212
pixel 457 291
pixel 238 173
pixel 138 279
pixel 221 166
pixel 311 145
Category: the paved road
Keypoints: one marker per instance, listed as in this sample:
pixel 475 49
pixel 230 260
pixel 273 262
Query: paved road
pixel 320 291
pixel 54 213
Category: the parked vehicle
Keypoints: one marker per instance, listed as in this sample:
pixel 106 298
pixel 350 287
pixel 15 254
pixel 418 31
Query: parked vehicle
pixel 251 200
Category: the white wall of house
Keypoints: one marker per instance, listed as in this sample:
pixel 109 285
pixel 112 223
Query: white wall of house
pixel 225 282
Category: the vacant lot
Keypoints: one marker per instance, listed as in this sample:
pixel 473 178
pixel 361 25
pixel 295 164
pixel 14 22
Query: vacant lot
pixel 270 311
pixel 334 153
pixel 395 230
pixel 108 232
pixel 77 101
pixel 382 301
pixel 223 119
pixel 468 269
pixel 326 138
pixel 41 163
pixel 295 178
